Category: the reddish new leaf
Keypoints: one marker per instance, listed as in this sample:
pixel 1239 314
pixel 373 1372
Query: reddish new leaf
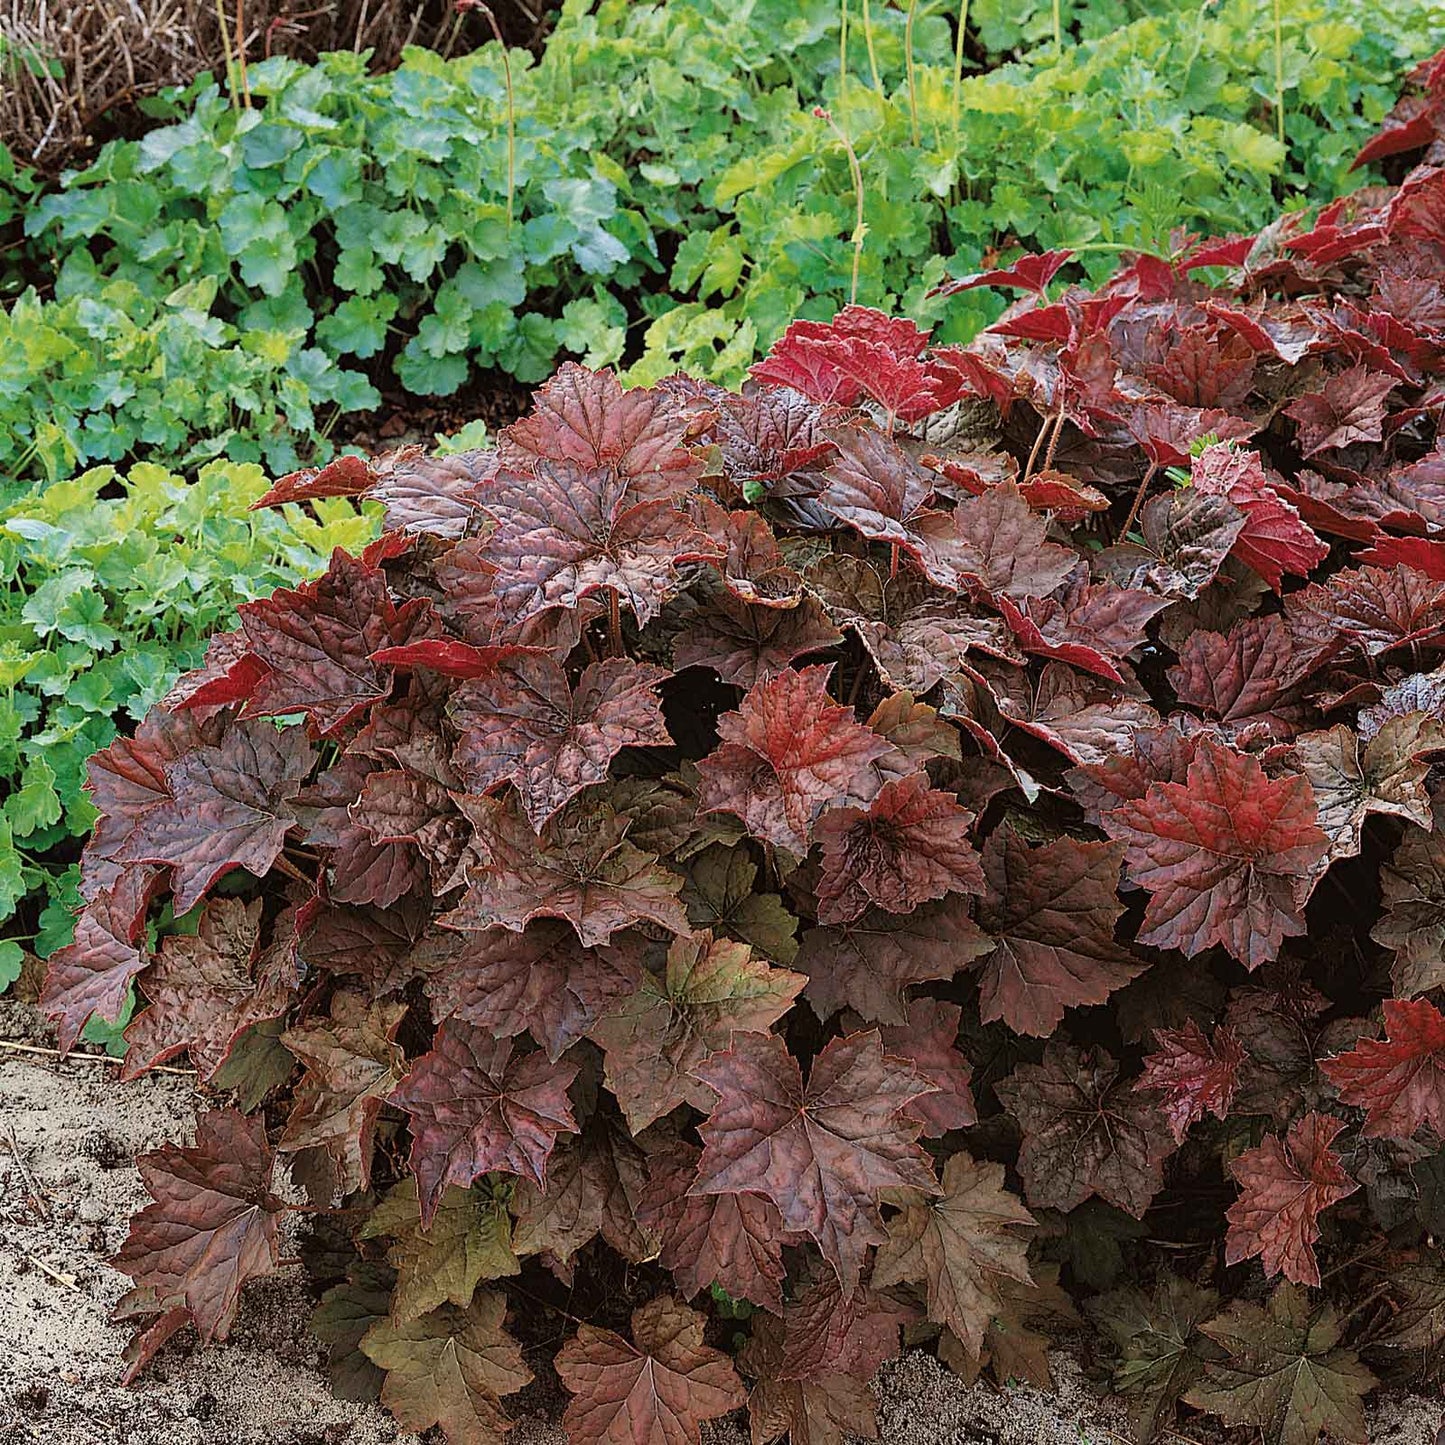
pixel 474 1108
pixel 213 1223
pixel 1085 1132
pixel 1399 1080
pixel 908 846
pixel 1228 856
pixel 822 1152
pixel 1049 914
pixel 788 753
pixel 1285 1184
pixel 523 723
pixel 1192 1074
pixel 998 542
pixel 1349 407
pixel 655 1391
pixel 1376 609
pixel 1031 272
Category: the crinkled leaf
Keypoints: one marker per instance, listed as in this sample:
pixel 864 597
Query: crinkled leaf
pixel 1193 1074
pixel 928 1042
pixel 720 894
pixel 1399 1080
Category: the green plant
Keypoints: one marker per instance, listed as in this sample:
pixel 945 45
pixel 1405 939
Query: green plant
pixel 112 585
pixel 673 200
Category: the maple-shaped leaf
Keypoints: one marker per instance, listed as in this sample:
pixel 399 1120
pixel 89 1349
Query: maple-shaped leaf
pixel 928 1042
pixel 352 1064
pixel 450 1368
pixel 589 419
pixel 720 894
pixel 822 1408
pixel 1089 624
pixel 595 1185
pixel 213 1223
pixel 1377 609
pixel 206 988
pixel 1228 856
pixel 772 437
pixel 787 753
pixel 656 1390
pixel 732 1240
pixel 958 1246
pixel 382 946
pixel 1412 925
pixel 317 643
pixel 1351 778
pixel 1285 1184
pixel 1349 407
pixel 1085 1132
pixel 916 730
pixel 91 976
pixel 1275 539
pixel 468 1240
pixel 541 981
pixel 745 643
pixel 566 533
pixel 828 1328
pixel 1193 1074
pixel 525 724
pixel 910 845
pixel 1285 1372
pixel 754 568
pixel 474 1109
pixel 709 988
pixel 1031 272
pixel 346 1312
pixel 914 634
pixel 877 489
pixel 1162 1353
pixel 1049 914
pixel 231 806
pixel 1184 539
pixel 1399 1080
pixel 999 542
pixel 1018 1337
pixel 822 1152
pixel 399 806
pixel 581 869
pixel 868 963
pixel 1249 679
pixel 858 353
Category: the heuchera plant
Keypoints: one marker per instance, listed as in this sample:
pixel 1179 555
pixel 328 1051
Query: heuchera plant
pixel 882 856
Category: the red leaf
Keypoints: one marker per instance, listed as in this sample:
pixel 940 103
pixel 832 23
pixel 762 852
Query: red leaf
pixel 1422 554
pixel 207 989
pixel 869 963
pixel 231 673
pixel 1398 1080
pixel 772 437
pixel 1275 540
pixel 1284 1187
pixel 1049 913
pixel 657 1390
pixel 788 753
pixel 803 358
pixel 910 845
pixel 1031 272
pixel 474 1109
pixel 1350 407
pixel 1377 609
pixel 747 643
pixel 588 420
pixel 317 644
pixel 231 806
pixel 523 723
pixel 580 869
pixel 824 1152
pixel 731 1240
pixel 998 541
pixel 565 534
pixel 1228 856
pixel 1093 625
pixel 1194 1075
pixel 345 476
pixel 542 980
pixel 1085 1132
pixel 447 657
pixel 1186 536
pixel 213 1224
pixel 928 1042
pixel 754 568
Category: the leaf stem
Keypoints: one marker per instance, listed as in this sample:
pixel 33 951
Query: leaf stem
pixel 511 114
pixel 1278 74
pixel 1138 502
pixel 860 226
pixel 911 69
pixel 872 53
pixel 958 67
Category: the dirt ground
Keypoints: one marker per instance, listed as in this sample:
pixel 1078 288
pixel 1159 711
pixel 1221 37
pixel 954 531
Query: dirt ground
pixel 68 1134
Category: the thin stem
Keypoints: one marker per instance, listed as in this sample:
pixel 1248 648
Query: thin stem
pixel 241 53
pixel 1138 501
pixel 1034 450
pixel 1058 31
pixel 842 58
pixel 912 69
pixel 1278 74
pixel 511 115
pixel 958 66
pixel 614 622
pixel 872 54
pixel 226 48
pixel 860 226
pixel 1057 432
pixel 75 1054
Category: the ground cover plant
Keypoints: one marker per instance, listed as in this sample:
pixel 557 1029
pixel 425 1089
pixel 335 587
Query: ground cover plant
pixel 932 843
pixel 367 234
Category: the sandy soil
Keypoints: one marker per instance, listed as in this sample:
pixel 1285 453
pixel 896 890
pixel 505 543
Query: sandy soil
pixel 76 1129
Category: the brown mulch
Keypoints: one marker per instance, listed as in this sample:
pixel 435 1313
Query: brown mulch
pixel 73 71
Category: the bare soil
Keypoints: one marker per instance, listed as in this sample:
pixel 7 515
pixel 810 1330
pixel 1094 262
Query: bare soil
pixel 68 1135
